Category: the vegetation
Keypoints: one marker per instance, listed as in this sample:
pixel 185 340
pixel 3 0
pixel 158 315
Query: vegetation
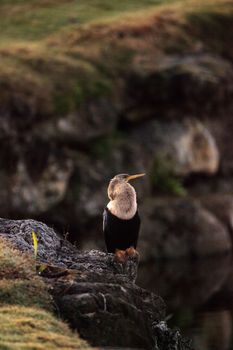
pixel 46 17
pixel 163 178
pixel 57 54
pixel 19 282
pixel 30 328
pixel 26 20
pixel 26 320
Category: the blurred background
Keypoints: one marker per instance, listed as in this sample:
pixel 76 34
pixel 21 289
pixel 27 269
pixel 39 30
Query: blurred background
pixel 92 88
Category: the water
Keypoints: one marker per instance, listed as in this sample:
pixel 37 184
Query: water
pixel 199 298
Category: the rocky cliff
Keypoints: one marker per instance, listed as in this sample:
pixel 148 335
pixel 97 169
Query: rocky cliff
pixel 150 92
pixel 95 294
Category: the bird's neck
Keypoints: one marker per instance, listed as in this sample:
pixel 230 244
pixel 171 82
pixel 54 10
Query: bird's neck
pixel 124 205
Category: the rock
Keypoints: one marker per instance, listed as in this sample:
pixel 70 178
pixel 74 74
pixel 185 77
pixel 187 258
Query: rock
pixel 93 292
pixel 221 205
pixel 19 233
pixel 34 176
pixel 93 119
pixel 35 197
pixel 199 291
pixel 173 339
pixel 224 297
pixel 187 146
pixel 216 330
pixel 106 314
pixel 174 278
pixel 179 228
pixel 178 85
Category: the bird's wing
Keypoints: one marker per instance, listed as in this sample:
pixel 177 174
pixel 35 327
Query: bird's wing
pixel 104 219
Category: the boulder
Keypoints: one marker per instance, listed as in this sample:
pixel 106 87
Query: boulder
pixel 221 205
pixel 187 146
pixel 216 330
pixel 173 278
pixel 95 293
pixel 181 227
pixel 93 119
pixel 174 86
pixel 34 175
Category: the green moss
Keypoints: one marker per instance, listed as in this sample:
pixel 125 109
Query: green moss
pixel 164 179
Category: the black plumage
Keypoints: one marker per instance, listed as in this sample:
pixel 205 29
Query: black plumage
pixel 118 233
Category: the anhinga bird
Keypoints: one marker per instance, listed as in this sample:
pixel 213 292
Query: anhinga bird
pixel 121 222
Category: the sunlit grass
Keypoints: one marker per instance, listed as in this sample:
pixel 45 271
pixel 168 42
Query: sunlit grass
pixel 34 20
pixel 59 54
pixel 24 328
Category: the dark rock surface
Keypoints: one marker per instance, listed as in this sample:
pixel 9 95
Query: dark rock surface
pixel 173 278
pixel 182 228
pixel 187 144
pixel 94 293
pixel 182 79
pixel 200 291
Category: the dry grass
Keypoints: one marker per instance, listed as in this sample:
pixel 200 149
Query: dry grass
pixel 24 328
pixel 19 283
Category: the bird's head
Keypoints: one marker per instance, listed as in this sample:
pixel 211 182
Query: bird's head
pixel 120 183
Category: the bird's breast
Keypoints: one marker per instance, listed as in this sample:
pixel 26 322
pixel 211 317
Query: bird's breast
pixel 122 209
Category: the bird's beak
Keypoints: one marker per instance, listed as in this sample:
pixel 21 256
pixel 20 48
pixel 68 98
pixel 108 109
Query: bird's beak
pixel 131 177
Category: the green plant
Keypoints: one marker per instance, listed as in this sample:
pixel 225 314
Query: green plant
pixel 164 179
pixel 35 243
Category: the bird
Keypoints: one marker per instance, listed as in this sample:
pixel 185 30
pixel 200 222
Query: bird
pixel 121 221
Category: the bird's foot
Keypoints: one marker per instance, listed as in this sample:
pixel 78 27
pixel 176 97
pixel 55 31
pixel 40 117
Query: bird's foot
pixel 132 253
pixel 120 256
